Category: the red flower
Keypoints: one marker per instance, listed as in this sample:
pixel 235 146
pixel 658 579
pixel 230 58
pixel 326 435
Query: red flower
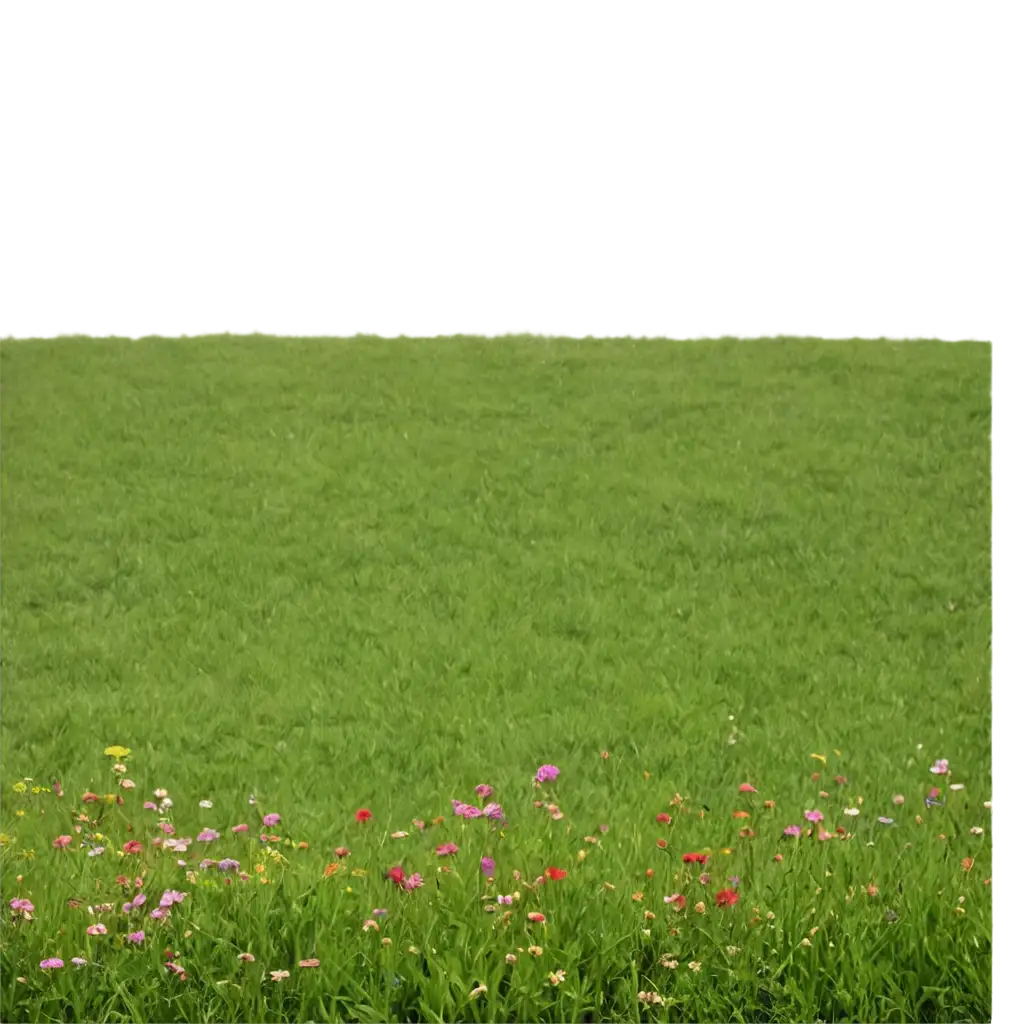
pixel 396 874
pixel 363 814
pixel 695 858
pixel 132 846
pixel 341 851
pixel 746 787
pixel 89 798
pixel 662 844
pixel 555 874
pixel 664 819
pixel 726 897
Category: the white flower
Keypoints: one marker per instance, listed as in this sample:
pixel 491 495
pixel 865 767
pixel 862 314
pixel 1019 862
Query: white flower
pixel 956 786
pixel 206 804
pixel 977 831
pixel 852 812
pixel 160 793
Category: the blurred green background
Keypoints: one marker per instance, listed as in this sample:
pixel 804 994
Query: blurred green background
pixel 205 167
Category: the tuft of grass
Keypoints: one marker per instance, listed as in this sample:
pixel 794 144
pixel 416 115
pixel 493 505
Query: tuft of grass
pixel 363 573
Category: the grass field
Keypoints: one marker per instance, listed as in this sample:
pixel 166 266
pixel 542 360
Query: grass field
pixel 376 574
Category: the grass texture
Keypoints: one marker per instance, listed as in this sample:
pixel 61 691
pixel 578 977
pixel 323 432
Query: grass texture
pixel 308 577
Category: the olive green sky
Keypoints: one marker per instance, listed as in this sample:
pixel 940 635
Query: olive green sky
pixel 216 167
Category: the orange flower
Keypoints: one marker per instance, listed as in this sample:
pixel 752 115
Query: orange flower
pixel 331 868
pixel 535 917
pixel 967 863
pixel 740 814
pixel 638 897
pixel 662 844
pixel 649 872
pixel 747 833
pixel 769 805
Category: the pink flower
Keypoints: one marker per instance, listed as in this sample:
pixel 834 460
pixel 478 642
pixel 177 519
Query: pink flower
pixel 150 806
pixel 746 787
pixel 941 767
pixel 505 901
pixel 483 791
pixel 446 849
pixel 312 962
pixel 271 819
pixel 132 846
pixel 208 835
pixel 166 827
pixel 546 773
pixel 51 963
pixel 814 815
pixel 20 906
pixel 240 828
pixel 171 896
pixel 137 937
pixel 159 914
pixel 96 929
pixel 61 841
pixel 487 866
pixel 414 881
pixel 536 918
pixel 792 830
pixel 493 811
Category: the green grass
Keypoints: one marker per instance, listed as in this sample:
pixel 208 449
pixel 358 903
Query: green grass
pixel 371 573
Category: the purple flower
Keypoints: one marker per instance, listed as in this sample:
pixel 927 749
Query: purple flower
pixel 792 830
pixel 379 911
pixel 814 815
pixel 159 914
pixel 51 963
pixel 941 767
pixel 228 864
pixel 483 791
pixel 170 897
pixel 208 835
pixel 137 937
pixel 27 906
pixel 546 773
pixel 487 867
pixel 271 819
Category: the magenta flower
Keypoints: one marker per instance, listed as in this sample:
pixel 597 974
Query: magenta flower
pixel 51 963
pixel 208 835
pixel 446 849
pixel 792 830
pixel 483 791
pixel 414 881
pixel 814 815
pixel 487 867
pixel 494 812
pixel 240 828
pixel 941 767
pixel 137 937
pixel 546 773
pixel 22 906
pixel 270 820
pixel 159 913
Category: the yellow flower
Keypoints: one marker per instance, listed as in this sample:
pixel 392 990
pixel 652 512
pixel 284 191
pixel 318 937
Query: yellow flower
pixel 820 757
pixel 726 850
pixel 20 813
pixel 117 752
pixel 4 838
pixel 37 790
pixel 359 872
pixel 19 787
pixel 110 798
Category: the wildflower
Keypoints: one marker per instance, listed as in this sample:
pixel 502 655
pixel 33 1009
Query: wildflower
pixel 171 896
pixel 732 950
pixel 704 878
pixel 96 929
pixel 116 752
pixel 814 815
pixel 370 923
pixel 967 863
pixel 505 900
pixel 246 958
pixel 676 900
pixel 555 874
pixel 556 977
pixel 805 942
pixel 137 937
pixel 699 907
pixel 663 819
pixel 478 991
pixel 132 846
pixel 726 897
pixel 885 821
pixel 871 889
pixel 341 851
pixel 79 961
pixel 778 858
pixel 695 858
pixel 987 805
pixel 22 907
pixel 270 820
pixel 746 787
pixel 280 975
pixel 536 917
pixel 932 799
pixel 535 950
pixel 312 962
pixel 240 828
pixel 608 885
pixel 941 767
pixel 228 864
pixel 180 971
pixel 51 963
pixel 602 828
pixel 898 799
pixel 769 805
pixel 977 830
pixel 421 825
pixel 446 849
pixel 414 881
pixel 747 833
pixel 127 784
pixel 668 961
pixel 740 814
pixel 650 998
pixel 363 814
pixel 791 830
pixel 483 791
pixel 546 773
pixel 399 835
pixel 662 844
pixel 695 966
pixel 487 867
pixel 638 897
pixel 208 835
pixel 851 812
pixel 149 806
pixel 159 913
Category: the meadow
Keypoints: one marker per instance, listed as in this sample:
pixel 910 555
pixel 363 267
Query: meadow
pixel 362 596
